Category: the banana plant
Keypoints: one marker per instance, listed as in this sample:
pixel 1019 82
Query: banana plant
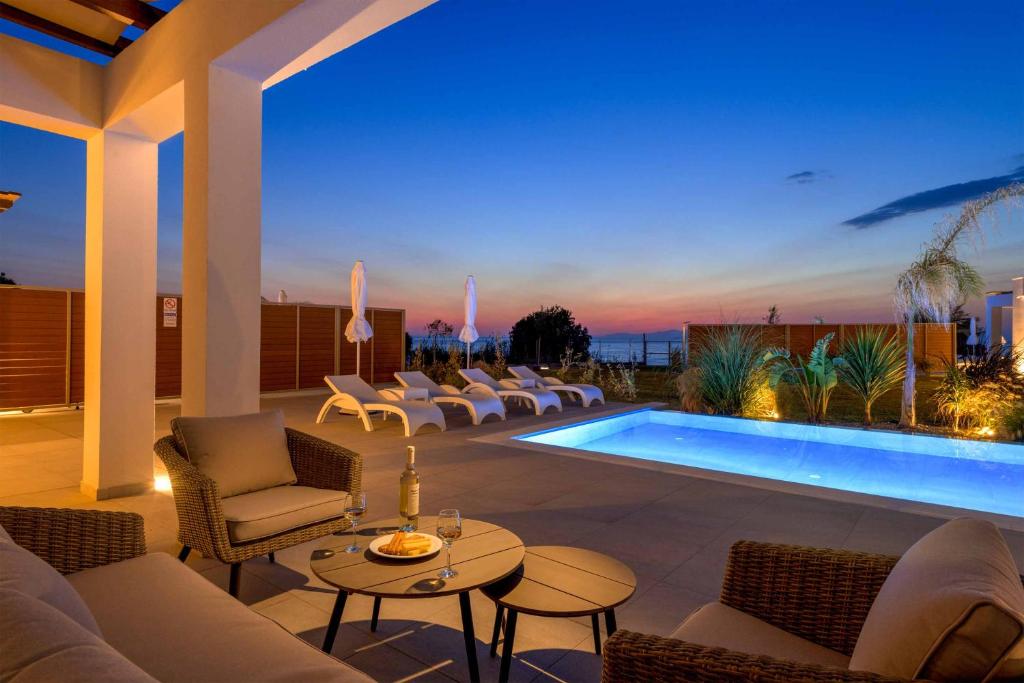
pixel 815 378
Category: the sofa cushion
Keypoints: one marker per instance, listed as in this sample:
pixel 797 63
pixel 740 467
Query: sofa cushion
pixel 241 453
pixel 23 571
pixel 40 644
pixel 952 609
pixel 177 626
pixel 271 511
pixel 717 625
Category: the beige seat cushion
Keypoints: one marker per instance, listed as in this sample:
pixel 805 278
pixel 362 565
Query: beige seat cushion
pixel 23 571
pixel 717 625
pixel 951 610
pixel 178 626
pixel 40 644
pixel 242 453
pixel 271 511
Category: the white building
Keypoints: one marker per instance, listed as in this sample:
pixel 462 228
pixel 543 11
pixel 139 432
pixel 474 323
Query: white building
pixel 1004 317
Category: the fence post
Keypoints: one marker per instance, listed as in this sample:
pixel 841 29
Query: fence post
pixel 645 348
pixel 686 343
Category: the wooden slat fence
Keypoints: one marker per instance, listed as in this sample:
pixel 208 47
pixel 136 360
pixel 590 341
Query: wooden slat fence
pixel 42 347
pixel 934 343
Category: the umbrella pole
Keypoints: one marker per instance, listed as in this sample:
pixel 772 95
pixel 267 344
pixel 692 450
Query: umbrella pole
pixel 357 358
pixel 467 354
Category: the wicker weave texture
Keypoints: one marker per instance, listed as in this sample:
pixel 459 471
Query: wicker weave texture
pixel 201 524
pixel 633 657
pixel 73 540
pixel 819 594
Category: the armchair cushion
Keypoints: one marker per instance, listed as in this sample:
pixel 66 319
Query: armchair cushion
pixel 39 644
pixel 272 511
pixel 241 453
pixel 716 625
pixel 952 609
pixel 22 571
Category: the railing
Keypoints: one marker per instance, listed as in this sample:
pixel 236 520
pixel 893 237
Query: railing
pixel 642 351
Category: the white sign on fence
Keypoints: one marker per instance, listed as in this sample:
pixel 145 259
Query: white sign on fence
pixel 170 311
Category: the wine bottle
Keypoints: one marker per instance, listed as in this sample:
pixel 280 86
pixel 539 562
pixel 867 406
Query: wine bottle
pixel 409 492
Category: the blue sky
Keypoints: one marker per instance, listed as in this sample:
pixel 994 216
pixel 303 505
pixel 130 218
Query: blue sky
pixel 642 165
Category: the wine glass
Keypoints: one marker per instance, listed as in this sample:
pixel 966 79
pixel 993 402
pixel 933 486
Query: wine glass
pixel 355 508
pixel 449 528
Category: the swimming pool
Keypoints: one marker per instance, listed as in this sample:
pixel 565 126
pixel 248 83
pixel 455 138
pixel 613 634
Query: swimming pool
pixel 975 475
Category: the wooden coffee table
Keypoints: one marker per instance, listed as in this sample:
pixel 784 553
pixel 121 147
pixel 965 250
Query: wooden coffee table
pixel 556 581
pixel 484 554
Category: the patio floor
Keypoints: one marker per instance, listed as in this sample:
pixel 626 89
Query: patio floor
pixel 673 530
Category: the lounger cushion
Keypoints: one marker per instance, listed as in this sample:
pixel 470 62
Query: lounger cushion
pixel 25 572
pixel 40 644
pixel 241 453
pixel 273 511
pixel 717 625
pixel 952 609
pixel 178 626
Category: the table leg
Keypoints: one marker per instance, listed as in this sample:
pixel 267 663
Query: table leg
pixel 376 615
pixel 498 614
pixel 506 648
pixel 597 633
pixel 332 625
pixel 469 636
pixel 609 622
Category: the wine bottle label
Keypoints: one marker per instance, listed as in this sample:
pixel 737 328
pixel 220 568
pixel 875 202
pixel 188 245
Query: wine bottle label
pixel 412 506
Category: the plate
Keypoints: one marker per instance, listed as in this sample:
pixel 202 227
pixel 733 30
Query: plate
pixel 375 544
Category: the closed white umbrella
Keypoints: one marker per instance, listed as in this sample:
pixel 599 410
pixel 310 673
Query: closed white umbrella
pixel 972 338
pixel 468 332
pixel 358 330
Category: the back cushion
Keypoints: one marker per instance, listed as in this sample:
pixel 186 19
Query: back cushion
pixel 25 572
pixel 243 453
pixel 39 644
pixel 951 610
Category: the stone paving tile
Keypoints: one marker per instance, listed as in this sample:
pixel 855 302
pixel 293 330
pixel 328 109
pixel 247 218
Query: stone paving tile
pixel 674 531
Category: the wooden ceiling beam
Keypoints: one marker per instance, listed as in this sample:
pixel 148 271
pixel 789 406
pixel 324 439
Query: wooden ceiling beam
pixel 50 28
pixel 142 14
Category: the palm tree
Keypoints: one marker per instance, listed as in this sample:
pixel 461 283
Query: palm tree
pixel 939 280
pixel 873 366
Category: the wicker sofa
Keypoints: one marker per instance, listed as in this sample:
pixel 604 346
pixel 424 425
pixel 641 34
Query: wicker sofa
pixel 321 469
pixel 121 615
pixel 803 612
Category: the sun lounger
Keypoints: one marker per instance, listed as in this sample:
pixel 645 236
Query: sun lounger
pixel 353 395
pixel 539 397
pixel 587 393
pixel 479 405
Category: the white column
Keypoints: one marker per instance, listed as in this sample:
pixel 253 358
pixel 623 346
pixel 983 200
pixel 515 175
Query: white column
pixel 221 244
pixel 120 301
pixel 1018 320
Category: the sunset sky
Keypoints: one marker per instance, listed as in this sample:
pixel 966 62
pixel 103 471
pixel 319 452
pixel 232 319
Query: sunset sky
pixel 639 163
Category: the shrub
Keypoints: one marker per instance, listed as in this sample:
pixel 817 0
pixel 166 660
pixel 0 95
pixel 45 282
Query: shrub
pixel 965 403
pixel 621 382
pixel 816 378
pixel 981 391
pixel 732 372
pixel 872 366
pixel 688 387
pixel 1013 421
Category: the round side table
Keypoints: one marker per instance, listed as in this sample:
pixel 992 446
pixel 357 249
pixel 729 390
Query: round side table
pixel 556 581
pixel 485 553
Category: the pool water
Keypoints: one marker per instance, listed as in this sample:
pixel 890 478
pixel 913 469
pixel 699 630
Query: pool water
pixel 975 475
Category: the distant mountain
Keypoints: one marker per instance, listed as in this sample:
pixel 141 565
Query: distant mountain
pixel 663 335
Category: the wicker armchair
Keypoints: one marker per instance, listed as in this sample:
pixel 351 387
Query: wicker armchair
pixel 818 594
pixel 201 524
pixel 73 540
